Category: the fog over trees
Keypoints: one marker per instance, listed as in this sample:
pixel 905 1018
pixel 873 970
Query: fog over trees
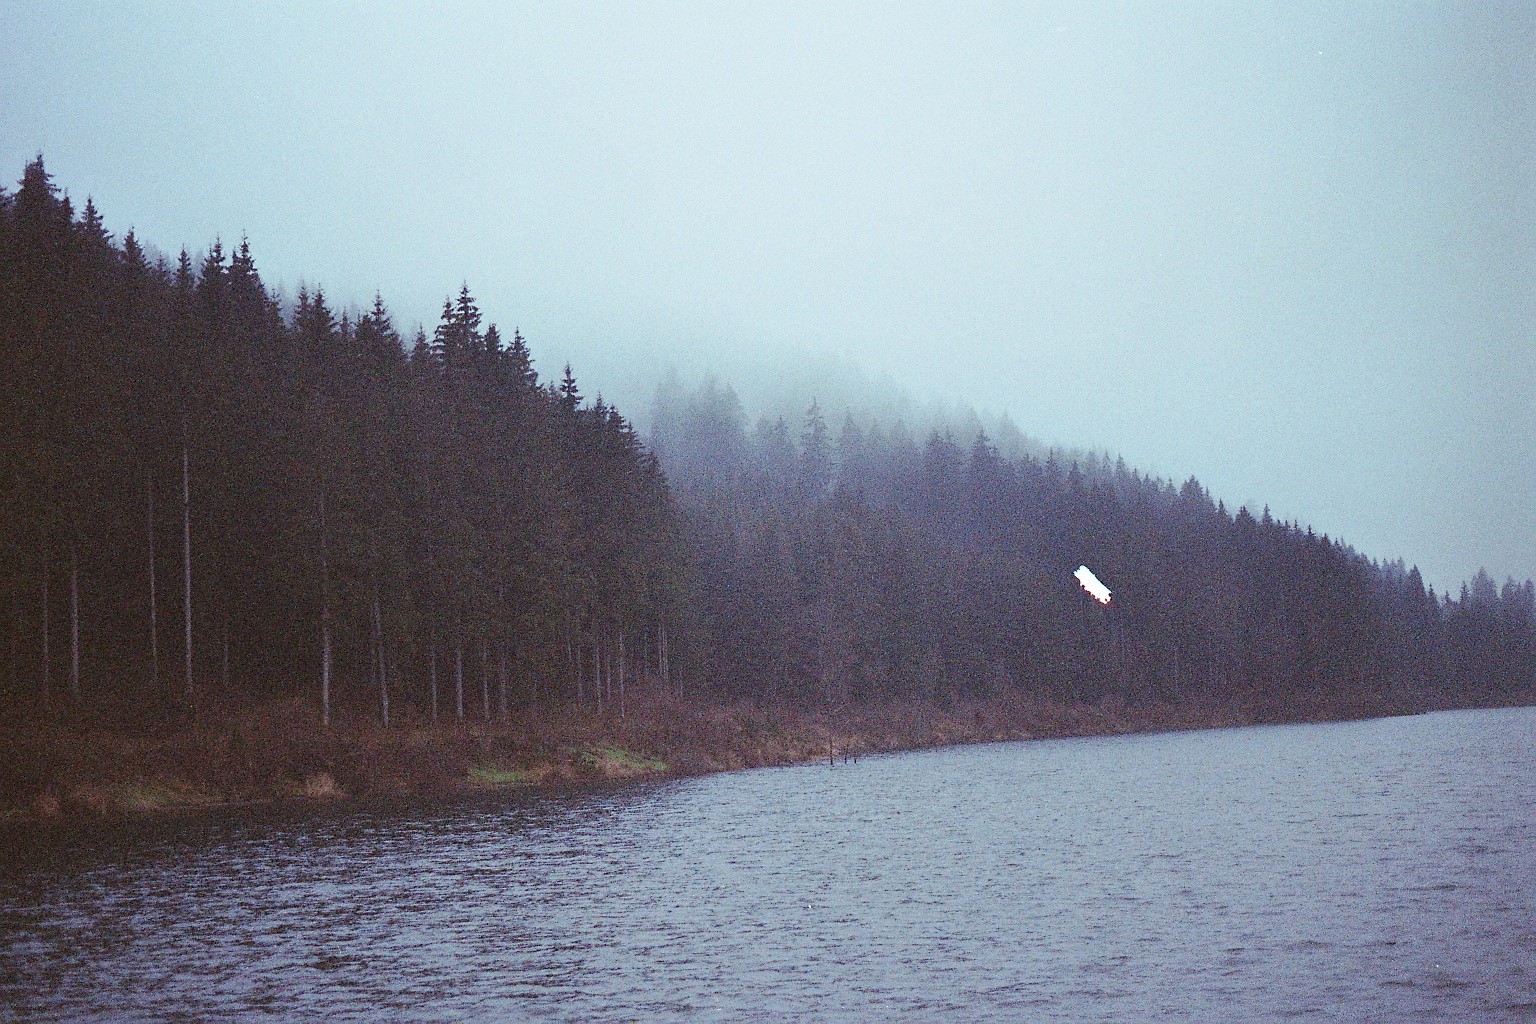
pixel 868 559
pixel 209 496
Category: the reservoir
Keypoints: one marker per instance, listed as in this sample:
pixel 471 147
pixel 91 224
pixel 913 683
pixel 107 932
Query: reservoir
pixel 1363 871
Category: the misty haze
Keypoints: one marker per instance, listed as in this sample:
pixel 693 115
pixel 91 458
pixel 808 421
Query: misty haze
pixel 499 502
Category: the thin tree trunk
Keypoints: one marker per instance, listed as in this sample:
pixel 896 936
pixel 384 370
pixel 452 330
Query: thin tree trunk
pixel 186 552
pixel 666 662
pixel 325 617
pixel 609 687
pixel 371 646
pixel 74 624
pixel 47 659
pixel 154 610
pixel 597 670
pixel 224 672
pixel 458 677
pixel 325 669
pixel 621 673
pixel 501 679
pixel 432 674
pixel 485 682
pixel 18 637
pixel 392 664
pixel 378 655
pixel 572 671
pixel 12 661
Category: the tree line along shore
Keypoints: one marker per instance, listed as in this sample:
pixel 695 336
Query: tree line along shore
pixel 243 529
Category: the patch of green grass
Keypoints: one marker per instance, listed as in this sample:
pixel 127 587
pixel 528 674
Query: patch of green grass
pixel 616 761
pixel 493 775
pixel 150 796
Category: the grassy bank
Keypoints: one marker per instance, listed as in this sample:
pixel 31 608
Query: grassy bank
pixel 59 769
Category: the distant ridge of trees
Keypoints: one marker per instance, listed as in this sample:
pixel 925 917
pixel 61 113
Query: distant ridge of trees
pixel 207 496
pixel 851 558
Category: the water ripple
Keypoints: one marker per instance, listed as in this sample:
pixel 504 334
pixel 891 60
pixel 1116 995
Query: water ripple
pixel 1356 872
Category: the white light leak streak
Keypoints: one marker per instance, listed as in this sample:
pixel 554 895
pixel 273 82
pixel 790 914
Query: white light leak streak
pixel 1091 584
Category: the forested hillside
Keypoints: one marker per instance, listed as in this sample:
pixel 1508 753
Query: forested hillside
pixel 201 495
pixel 209 497
pixel 860 561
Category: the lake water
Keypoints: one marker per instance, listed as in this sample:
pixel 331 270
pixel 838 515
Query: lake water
pixel 1370 871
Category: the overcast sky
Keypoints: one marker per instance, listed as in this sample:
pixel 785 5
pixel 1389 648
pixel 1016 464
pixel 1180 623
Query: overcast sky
pixel 1285 247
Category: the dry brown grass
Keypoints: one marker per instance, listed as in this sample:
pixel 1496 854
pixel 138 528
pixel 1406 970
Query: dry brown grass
pixel 279 751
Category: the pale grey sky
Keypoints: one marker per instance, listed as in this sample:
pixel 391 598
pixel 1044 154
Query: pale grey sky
pixel 1285 247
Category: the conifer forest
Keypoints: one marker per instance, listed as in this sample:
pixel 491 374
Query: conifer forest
pixel 212 495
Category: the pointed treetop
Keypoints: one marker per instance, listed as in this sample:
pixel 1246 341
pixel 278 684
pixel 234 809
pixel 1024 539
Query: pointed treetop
pixel 852 435
pixel 91 226
pixel 211 275
pixel 184 277
pixel 422 355
pixel 133 254
pixel 570 398
pixel 37 184
pixel 519 363
pixel 457 339
pixel 466 311
pixel 242 265
pixel 313 319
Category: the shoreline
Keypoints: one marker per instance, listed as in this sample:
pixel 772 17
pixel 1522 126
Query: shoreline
pixel 276 756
